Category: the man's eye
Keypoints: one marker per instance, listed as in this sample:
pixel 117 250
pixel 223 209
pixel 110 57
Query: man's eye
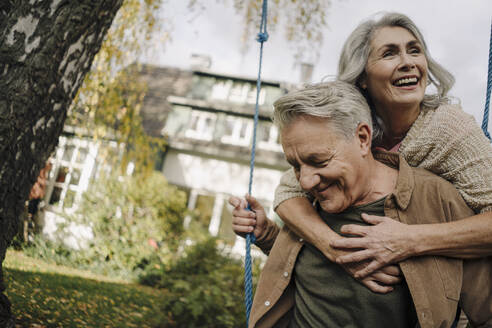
pixel 320 163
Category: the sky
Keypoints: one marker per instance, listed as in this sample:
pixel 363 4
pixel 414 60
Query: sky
pixel 457 33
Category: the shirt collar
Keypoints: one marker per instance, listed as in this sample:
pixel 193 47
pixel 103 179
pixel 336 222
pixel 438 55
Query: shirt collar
pixel 405 182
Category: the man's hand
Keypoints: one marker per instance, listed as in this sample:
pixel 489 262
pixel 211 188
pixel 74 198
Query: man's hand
pixel 244 221
pixel 385 242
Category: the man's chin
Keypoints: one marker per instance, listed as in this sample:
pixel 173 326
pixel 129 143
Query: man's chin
pixel 331 208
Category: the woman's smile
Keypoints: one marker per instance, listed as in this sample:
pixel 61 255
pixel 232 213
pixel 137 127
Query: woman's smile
pixel 396 70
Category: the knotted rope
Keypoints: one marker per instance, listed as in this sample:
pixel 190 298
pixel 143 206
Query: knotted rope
pixel 250 238
pixel 485 121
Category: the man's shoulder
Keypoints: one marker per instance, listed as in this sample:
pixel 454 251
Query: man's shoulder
pixel 434 192
pixel 427 179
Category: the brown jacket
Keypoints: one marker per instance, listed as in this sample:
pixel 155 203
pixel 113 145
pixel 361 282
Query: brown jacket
pixel 436 283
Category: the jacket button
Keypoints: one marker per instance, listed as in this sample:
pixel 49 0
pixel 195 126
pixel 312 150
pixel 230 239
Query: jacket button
pixel 301 240
pixel 267 303
pixel 286 274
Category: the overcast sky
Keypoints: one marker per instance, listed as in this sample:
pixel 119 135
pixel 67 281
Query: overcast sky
pixel 457 33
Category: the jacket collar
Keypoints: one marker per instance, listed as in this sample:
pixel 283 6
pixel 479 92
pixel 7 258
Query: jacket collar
pixel 405 182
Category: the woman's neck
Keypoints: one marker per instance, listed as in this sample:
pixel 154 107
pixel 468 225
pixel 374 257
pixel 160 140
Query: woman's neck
pixel 396 124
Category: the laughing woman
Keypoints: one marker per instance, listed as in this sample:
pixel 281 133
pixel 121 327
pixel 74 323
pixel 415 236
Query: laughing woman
pixel 388 60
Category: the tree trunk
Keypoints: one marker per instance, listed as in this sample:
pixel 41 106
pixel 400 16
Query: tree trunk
pixel 46 49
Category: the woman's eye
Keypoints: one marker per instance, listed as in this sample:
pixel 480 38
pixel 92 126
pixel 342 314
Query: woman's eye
pixel 415 50
pixel 388 54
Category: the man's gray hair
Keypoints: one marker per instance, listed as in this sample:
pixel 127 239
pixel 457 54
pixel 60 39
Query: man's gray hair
pixel 355 52
pixel 339 102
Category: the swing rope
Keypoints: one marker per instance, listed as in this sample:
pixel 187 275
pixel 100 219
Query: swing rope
pixel 250 238
pixel 485 121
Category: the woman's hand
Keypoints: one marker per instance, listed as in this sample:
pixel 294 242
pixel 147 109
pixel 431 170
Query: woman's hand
pixel 245 221
pixel 380 281
pixel 386 241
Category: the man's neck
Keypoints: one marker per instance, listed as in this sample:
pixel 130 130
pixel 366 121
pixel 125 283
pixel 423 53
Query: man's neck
pixel 380 182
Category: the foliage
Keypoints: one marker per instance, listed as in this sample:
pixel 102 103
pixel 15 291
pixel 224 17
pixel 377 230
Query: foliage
pixel 302 21
pixel 109 101
pixel 136 221
pixel 204 288
pixel 46 295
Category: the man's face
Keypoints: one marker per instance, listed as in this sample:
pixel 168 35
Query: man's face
pixel 327 165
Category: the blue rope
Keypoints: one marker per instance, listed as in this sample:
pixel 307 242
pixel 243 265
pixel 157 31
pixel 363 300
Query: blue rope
pixel 485 121
pixel 250 238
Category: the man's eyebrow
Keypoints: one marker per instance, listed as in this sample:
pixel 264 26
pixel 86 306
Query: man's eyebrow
pixel 317 157
pixel 292 162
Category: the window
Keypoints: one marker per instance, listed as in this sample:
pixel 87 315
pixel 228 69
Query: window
pixel 72 167
pixel 251 99
pixel 221 89
pixel 201 87
pixel 201 125
pixel 177 121
pixel 239 92
pixel 238 131
pixel 268 137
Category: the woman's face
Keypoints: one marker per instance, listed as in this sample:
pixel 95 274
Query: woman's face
pixel 396 70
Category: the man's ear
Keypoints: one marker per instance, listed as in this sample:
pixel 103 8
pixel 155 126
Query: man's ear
pixel 363 134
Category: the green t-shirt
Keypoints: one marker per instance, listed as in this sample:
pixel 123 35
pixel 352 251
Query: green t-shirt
pixel 326 296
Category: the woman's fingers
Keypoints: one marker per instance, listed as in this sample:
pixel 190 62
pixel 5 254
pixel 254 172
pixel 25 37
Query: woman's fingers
pixel 358 256
pixel 373 219
pixel 372 267
pixel 376 287
pixel 386 278
pixel 349 243
pixel 354 229
pixel 393 270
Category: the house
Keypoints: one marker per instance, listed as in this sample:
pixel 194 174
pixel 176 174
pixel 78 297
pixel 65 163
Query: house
pixel 207 119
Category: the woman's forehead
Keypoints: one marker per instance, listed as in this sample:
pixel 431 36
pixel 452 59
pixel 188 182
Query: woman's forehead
pixel 391 35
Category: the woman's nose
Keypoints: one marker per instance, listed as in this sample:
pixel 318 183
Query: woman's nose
pixel 406 61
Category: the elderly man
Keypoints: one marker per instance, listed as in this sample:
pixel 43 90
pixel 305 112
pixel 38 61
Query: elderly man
pixel 326 135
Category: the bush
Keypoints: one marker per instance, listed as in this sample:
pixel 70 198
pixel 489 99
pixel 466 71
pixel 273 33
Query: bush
pixel 136 221
pixel 204 288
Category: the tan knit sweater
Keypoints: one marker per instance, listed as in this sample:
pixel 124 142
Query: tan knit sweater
pixel 446 141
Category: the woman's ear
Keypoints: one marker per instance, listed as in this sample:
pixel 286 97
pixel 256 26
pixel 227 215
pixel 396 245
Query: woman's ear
pixel 362 82
pixel 363 134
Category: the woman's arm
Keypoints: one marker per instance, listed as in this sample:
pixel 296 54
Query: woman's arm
pixel 300 216
pixel 389 241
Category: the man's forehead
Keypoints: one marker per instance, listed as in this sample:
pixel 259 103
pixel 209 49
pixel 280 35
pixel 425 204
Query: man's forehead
pixel 308 151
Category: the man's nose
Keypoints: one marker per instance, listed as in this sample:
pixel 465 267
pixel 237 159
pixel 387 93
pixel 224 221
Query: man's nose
pixel 308 178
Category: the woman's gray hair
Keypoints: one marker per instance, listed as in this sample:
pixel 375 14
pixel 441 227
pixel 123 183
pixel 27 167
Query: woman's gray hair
pixel 355 52
pixel 339 102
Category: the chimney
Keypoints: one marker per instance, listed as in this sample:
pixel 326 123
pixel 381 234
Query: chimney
pixel 306 72
pixel 200 62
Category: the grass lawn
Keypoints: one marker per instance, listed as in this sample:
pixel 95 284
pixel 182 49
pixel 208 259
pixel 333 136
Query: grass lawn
pixel 47 295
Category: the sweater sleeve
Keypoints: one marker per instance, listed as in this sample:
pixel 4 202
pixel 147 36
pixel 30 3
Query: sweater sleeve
pixel 288 188
pixel 267 239
pixel 450 143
